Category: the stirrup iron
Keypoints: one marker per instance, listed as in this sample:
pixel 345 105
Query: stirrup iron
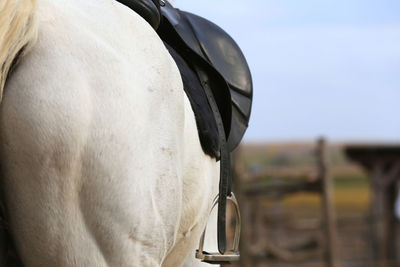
pixel 230 255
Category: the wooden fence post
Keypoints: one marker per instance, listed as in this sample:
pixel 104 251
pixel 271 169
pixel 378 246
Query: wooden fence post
pixel 328 205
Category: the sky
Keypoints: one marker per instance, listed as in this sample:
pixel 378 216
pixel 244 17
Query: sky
pixel 328 68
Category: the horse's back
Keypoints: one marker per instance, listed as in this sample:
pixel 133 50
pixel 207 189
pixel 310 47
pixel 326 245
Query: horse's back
pixel 100 157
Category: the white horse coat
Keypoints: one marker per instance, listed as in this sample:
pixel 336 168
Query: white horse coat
pixel 100 157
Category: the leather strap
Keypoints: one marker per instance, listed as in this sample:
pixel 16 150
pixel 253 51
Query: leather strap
pixel 225 180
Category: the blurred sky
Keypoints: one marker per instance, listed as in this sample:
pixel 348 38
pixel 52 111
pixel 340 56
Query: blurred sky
pixel 319 67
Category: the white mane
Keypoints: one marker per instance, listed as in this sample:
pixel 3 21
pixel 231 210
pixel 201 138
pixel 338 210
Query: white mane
pixel 18 30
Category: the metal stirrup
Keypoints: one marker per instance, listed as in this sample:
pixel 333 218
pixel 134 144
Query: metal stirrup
pixel 230 255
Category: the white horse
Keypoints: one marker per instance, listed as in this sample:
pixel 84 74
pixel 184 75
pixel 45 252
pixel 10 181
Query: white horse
pixel 101 163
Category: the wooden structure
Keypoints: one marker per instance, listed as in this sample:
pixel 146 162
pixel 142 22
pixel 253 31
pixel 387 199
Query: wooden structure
pixel 252 195
pixel 382 162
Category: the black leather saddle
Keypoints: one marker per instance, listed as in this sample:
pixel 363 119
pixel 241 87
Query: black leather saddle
pixel 205 45
pixel 200 43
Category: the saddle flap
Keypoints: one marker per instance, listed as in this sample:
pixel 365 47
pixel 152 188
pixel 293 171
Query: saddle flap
pixel 223 53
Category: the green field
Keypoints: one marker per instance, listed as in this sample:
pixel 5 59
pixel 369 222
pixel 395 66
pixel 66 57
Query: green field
pixel 351 187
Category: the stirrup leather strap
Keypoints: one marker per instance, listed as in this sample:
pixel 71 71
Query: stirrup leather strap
pixel 225 168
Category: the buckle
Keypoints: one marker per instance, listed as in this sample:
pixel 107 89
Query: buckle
pixel 229 255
